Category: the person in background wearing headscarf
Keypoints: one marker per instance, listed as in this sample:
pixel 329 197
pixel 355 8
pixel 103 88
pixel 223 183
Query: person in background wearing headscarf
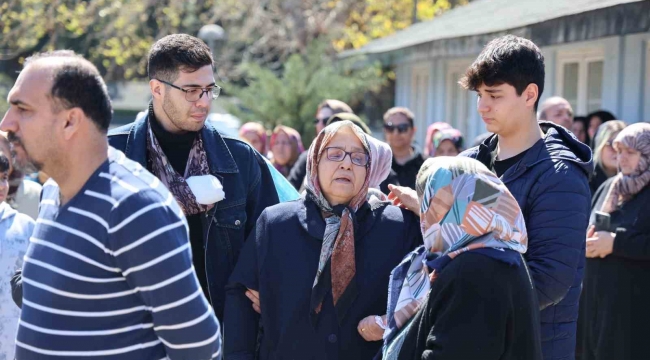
pixel 617 285
pixel 286 146
pixel 605 161
pixel 447 142
pixel 461 294
pixel 432 130
pixel 254 134
pixel 319 264
pixel 596 119
pixel 579 129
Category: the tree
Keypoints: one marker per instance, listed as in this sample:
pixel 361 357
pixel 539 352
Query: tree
pixel 5 86
pixel 373 19
pixel 291 98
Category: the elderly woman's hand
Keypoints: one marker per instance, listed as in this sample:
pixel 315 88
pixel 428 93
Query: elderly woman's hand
pixel 370 330
pixel 600 244
pixel 254 297
pixel 404 197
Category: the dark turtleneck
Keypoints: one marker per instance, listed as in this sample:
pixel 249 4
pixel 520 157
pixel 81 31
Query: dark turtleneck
pixel 177 149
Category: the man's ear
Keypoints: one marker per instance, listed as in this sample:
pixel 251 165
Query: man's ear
pixel 157 88
pixel 73 121
pixel 531 94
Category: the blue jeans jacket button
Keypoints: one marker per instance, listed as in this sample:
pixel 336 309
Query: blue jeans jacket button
pixel 332 338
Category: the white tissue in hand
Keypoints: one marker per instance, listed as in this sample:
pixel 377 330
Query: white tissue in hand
pixel 207 189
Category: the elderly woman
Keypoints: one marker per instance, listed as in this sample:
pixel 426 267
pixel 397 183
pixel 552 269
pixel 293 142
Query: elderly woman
pixel 616 284
pixel 447 142
pixel 254 134
pixel 604 154
pixel 320 264
pixel 467 293
pixel 286 146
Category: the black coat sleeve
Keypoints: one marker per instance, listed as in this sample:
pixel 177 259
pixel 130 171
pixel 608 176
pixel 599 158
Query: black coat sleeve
pixel 241 322
pixel 17 288
pixel 633 242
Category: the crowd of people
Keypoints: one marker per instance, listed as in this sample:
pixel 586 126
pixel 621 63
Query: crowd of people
pixel 163 239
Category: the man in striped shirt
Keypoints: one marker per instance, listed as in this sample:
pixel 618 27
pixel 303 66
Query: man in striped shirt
pixel 108 273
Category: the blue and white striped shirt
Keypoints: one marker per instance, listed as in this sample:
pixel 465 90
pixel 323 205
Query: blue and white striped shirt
pixel 109 275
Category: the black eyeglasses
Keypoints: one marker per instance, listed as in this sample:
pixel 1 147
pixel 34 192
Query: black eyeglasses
pixel 338 155
pixel 194 94
pixel 401 128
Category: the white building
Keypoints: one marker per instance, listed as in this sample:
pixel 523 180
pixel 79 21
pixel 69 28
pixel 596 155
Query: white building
pixel 597 55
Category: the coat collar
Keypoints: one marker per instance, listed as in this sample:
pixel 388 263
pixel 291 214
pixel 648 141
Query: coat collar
pixel 311 219
pixel 219 156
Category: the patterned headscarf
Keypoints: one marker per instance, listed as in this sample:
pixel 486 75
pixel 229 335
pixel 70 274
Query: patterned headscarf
pixel 382 156
pixel 464 207
pixel 256 129
pixel 453 135
pixel 429 149
pixel 624 187
pixel 296 147
pixel 336 266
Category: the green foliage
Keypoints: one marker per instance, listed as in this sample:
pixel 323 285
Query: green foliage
pixel 291 98
pixel 5 86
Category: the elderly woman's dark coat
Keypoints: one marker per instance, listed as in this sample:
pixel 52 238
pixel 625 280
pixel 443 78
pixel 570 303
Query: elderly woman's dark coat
pixel 280 260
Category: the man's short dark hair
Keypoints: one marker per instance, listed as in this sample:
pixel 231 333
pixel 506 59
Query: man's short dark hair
pixel 408 114
pixel 76 82
pixel 508 60
pixel 4 163
pixel 177 52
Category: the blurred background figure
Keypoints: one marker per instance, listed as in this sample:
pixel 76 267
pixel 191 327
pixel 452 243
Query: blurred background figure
pixel 579 129
pixel 595 119
pixel 286 147
pixel 432 130
pixel 616 283
pixel 557 110
pixel 399 132
pixel 481 138
pixel 448 142
pixel 254 134
pixel 24 195
pixel 604 157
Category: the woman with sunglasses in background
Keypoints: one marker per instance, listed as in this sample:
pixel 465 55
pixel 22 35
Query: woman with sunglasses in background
pixel 320 264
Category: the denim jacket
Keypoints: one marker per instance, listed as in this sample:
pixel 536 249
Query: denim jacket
pixel 249 189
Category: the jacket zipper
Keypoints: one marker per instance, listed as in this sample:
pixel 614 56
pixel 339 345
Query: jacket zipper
pixel 205 251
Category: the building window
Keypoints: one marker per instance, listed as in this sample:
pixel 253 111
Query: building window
pixel 580 79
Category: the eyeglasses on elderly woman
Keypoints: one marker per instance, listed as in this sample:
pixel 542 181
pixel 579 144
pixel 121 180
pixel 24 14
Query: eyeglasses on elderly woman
pixel 338 155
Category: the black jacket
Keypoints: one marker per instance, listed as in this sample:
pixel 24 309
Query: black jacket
pixel 280 260
pixel 407 173
pixel 617 288
pixel 478 308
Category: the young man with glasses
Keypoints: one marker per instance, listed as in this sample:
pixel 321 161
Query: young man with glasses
pixel 174 141
pixel 399 132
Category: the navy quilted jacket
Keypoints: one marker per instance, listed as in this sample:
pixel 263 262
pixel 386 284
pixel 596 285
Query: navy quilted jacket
pixel 551 186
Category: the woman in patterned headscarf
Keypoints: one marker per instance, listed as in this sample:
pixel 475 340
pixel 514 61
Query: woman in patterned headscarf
pixel 320 264
pixel 447 142
pixel 460 295
pixel 432 130
pixel 286 146
pixel 616 283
